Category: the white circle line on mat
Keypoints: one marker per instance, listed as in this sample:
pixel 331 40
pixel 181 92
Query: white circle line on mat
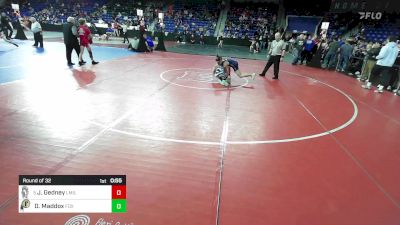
pixel 155 138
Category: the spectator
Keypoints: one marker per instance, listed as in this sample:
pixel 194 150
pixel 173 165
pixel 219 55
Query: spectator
pixel 149 43
pixel 331 54
pixel 179 37
pixel 125 32
pixel 254 46
pixel 298 48
pixel 346 51
pixel 109 32
pixel 386 58
pixel 263 41
pixel 93 29
pixel 370 61
pixel 201 39
pixel 192 39
pixel 6 26
pixel 220 40
pixel 134 44
pixel 115 26
pixel 308 48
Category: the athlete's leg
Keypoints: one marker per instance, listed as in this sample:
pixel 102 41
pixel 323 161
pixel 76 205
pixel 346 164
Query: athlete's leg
pixel 239 74
pixel 91 55
pixel 81 55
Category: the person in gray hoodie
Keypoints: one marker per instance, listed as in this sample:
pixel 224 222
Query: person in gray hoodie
pixel 385 60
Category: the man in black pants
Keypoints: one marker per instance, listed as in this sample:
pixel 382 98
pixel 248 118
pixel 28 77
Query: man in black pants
pixel 5 23
pixel 71 39
pixel 36 29
pixel 276 53
pixel 2 36
pixel 385 61
pixel 125 31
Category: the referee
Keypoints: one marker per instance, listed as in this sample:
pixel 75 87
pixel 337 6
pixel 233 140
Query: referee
pixel 70 32
pixel 276 52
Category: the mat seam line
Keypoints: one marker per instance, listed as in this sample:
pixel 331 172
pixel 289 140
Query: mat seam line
pixel 223 140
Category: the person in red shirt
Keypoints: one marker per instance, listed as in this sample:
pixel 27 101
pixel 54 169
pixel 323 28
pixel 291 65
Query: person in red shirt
pixel 86 39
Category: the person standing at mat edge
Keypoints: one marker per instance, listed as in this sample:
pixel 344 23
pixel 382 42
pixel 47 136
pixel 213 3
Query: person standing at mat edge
pixel 385 61
pixel 125 31
pixel 36 29
pixel 71 42
pixel 86 39
pixel 6 25
pixel 275 54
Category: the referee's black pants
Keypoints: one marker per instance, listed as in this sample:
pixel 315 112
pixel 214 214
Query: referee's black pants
pixel 385 72
pixel 38 37
pixel 273 59
pixel 69 48
pixel 126 37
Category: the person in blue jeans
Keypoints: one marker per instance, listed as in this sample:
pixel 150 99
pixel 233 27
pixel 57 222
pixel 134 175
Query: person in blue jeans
pixel 345 51
pixel 298 48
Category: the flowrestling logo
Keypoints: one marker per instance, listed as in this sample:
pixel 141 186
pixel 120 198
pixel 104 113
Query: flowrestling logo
pixel 370 15
pixel 79 220
pixel 85 220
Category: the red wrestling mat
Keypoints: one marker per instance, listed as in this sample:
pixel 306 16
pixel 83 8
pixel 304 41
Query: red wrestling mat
pixel 311 148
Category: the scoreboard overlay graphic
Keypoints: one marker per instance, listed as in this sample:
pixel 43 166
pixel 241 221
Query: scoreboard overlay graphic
pixel 72 194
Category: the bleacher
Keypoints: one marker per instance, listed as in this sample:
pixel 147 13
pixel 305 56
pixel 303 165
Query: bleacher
pixel 256 19
pixel 204 16
pixel 53 8
pixel 381 34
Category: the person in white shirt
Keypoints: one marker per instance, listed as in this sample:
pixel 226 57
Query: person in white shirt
pixel 276 53
pixel 37 32
pixel 125 31
pixel 134 44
